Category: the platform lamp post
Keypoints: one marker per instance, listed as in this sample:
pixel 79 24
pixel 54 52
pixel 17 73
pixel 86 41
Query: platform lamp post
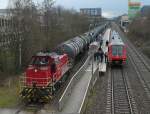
pixel 92 64
pixel 90 26
pixel 91 55
pixel 20 50
pixel 90 51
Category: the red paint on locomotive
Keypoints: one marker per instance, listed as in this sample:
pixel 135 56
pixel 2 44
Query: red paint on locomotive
pixel 39 72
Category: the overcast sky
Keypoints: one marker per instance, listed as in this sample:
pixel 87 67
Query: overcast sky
pixel 110 8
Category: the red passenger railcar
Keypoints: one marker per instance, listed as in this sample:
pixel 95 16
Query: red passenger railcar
pixel 116 50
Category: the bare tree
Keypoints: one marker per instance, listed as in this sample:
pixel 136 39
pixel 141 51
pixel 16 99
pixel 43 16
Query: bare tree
pixel 36 27
pixel 139 32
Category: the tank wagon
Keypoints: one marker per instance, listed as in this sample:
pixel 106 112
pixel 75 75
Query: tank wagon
pixel 116 50
pixel 47 71
pixel 79 44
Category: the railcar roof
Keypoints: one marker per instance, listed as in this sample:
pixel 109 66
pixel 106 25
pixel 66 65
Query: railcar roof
pixel 116 40
pixel 117 43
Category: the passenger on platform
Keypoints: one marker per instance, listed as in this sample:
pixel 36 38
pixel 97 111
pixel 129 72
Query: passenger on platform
pixel 107 42
pixel 99 37
pixel 101 54
pixel 106 51
pixel 101 42
pixel 106 57
pixel 96 56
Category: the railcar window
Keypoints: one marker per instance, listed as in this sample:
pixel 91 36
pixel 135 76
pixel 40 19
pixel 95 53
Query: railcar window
pixel 117 50
pixel 114 50
pixel 120 50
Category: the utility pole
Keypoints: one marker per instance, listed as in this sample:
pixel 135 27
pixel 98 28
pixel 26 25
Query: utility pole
pixel 92 64
pixel 47 4
pixel 91 54
pixel 20 51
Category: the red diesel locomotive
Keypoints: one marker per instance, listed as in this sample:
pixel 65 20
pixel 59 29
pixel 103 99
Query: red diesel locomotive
pixel 116 50
pixel 45 72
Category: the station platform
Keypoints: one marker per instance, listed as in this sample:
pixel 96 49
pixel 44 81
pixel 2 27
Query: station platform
pixel 103 65
pixel 75 101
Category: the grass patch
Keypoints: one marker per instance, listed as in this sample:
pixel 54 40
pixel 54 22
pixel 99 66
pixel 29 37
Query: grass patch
pixel 9 95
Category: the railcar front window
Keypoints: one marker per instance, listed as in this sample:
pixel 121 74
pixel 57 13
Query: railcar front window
pixel 117 50
pixel 114 50
pixel 120 50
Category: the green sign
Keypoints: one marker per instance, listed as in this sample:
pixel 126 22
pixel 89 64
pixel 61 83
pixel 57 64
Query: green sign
pixel 133 10
pixel 134 1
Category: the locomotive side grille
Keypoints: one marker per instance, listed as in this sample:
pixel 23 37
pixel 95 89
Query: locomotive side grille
pixel 29 81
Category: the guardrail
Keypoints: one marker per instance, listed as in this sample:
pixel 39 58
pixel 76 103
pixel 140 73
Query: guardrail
pixel 71 84
pixel 89 88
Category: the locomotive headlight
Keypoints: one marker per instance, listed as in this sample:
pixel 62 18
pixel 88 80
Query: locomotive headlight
pixel 35 70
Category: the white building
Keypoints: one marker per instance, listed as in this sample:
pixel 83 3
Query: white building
pixel 124 22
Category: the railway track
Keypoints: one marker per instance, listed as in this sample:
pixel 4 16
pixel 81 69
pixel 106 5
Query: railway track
pixel 141 67
pixel 119 99
pixel 142 70
pixel 139 77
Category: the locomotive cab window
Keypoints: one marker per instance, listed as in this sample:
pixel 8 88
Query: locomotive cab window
pixel 39 61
